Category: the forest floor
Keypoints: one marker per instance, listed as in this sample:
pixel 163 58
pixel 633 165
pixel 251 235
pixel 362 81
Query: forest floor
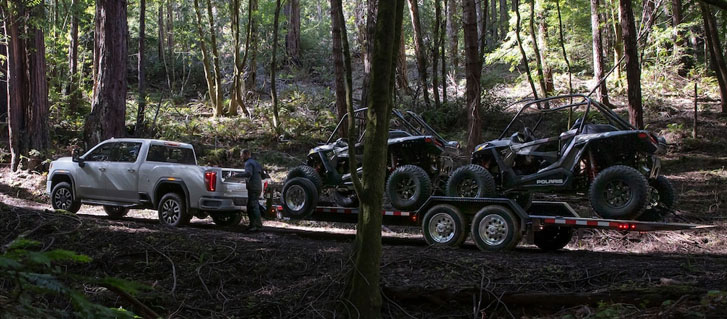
pixel 298 269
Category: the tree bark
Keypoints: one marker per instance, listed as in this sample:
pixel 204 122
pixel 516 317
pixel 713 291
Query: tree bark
pixel 473 71
pixel 435 53
pixel 483 27
pixel 618 49
pixel 160 30
pixel 504 19
pixel 338 68
pixel 565 55
pixel 680 46
pixel 138 128
pixel 598 53
pixel 402 70
pixel 516 8
pixel 209 73
pixel 219 105
pixel 443 55
pixel 367 45
pixel 544 51
pixel 633 70
pixel 715 53
pixel 72 88
pixel 493 22
pixel 18 98
pixel 419 49
pixel 292 38
pixel 108 106
pixel 250 79
pixel 170 42
pixel 453 36
pixel 273 66
pixel 538 61
pixel 362 289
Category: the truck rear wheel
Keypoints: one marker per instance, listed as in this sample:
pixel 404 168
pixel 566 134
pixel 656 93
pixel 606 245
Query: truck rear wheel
pixel 471 181
pixel 495 228
pixel 226 219
pixel 408 187
pixel 619 192
pixel 173 210
pixel 553 237
pixel 444 225
pixel 308 172
pixel 61 197
pixel 115 211
pixel 300 198
pixel 662 198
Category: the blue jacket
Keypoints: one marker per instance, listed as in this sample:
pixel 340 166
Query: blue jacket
pixel 254 171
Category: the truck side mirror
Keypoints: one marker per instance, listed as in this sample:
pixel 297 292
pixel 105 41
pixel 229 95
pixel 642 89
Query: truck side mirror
pixel 76 157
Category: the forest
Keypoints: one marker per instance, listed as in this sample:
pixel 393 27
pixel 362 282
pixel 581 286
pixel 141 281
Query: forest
pixel 285 78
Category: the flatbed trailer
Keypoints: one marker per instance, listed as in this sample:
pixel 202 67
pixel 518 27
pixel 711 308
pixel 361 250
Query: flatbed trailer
pixel 493 223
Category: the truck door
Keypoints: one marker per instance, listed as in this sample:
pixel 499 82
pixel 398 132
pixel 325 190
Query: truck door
pixel 90 178
pixel 122 173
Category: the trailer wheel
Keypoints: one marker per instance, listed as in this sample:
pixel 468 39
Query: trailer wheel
pixel 444 225
pixel 471 181
pixel 408 187
pixel 495 228
pixel 308 172
pixel 300 197
pixel 662 198
pixel 619 192
pixel 226 219
pixel 553 237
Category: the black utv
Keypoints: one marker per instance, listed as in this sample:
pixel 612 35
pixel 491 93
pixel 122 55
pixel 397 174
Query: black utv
pixel 571 144
pixel 420 161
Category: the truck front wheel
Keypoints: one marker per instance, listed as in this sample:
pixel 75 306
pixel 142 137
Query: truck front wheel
pixel 173 210
pixel 62 198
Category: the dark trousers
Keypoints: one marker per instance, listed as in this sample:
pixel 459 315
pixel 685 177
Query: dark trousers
pixel 253 207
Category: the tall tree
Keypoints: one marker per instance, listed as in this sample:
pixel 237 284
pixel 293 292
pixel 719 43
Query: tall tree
pixel 618 42
pixel 562 46
pixel 504 19
pixel 210 58
pixel 367 48
pixel 273 67
pixel 338 67
pixel 435 52
pixel 544 49
pixel 526 65
pixel 633 70
pixel 715 52
pixel 482 26
pixel 362 289
pixel 292 38
pixel 680 47
pixel 419 49
pixel 402 70
pixel 473 71
pixel 238 89
pixel 598 53
pixel 160 31
pixel 493 22
pixel 443 55
pixel 108 106
pixel 170 40
pixel 250 78
pixel 138 128
pixel 72 88
pixel 538 61
pixel 453 35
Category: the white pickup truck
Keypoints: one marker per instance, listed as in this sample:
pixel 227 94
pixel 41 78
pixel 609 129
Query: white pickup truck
pixel 121 174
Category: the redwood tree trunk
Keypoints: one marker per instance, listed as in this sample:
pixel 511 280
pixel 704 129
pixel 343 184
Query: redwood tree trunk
pixel 453 35
pixel 140 69
pixel 435 53
pixel 715 53
pixel 273 66
pixel 72 88
pixel 598 53
pixel 473 71
pixel 538 61
pixel 108 106
pixel 504 19
pixel 516 8
pixel 419 49
pixel 338 68
pixel 544 51
pixel 367 46
pixel 633 70
pixel 292 38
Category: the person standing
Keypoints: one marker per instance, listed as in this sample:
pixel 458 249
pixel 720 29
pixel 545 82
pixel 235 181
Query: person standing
pixel 253 171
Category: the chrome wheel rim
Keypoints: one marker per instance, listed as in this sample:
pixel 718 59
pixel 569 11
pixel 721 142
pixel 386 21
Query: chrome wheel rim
pixel 467 188
pixel 617 194
pixel 493 229
pixel 441 227
pixel 171 211
pixel 63 199
pixel 295 197
pixel 405 188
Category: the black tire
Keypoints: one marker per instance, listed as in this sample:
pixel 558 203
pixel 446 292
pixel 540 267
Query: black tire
pixel 662 199
pixel 619 192
pixel 226 219
pixel 471 181
pixel 62 197
pixel 345 198
pixel 525 200
pixel 299 197
pixel 173 210
pixel 408 187
pixel 308 172
pixel 444 226
pixel 553 237
pixel 115 211
pixel 495 228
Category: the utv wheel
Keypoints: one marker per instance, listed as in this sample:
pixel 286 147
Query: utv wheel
pixel 662 199
pixel 345 198
pixel 115 211
pixel 471 181
pixel 495 228
pixel 173 210
pixel 226 219
pixel 444 225
pixel 61 197
pixel 553 237
pixel 308 172
pixel 300 197
pixel 619 192
pixel 408 187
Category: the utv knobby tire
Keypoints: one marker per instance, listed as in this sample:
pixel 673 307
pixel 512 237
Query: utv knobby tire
pixel 495 228
pixel 115 211
pixel 408 187
pixel 619 192
pixel 226 219
pixel 299 197
pixel 308 172
pixel 62 197
pixel 444 226
pixel 553 237
pixel 345 198
pixel 173 210
pixel 471 181
pixel 664 202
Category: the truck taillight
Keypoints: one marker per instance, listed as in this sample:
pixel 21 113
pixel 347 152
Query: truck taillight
pixel 210 180
pixel 265 186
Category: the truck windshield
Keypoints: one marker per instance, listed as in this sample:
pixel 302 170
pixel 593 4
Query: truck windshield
pixel 170 154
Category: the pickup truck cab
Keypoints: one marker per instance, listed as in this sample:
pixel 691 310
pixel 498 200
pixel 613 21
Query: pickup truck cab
pixel 125 173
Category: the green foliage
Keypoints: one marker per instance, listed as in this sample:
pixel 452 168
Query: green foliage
pixel 34 277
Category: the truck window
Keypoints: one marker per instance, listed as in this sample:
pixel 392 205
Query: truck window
pixel 170 154
pixel 125 152
pixel 101 153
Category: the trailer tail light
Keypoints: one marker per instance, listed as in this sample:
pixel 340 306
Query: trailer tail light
pixel 210 180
